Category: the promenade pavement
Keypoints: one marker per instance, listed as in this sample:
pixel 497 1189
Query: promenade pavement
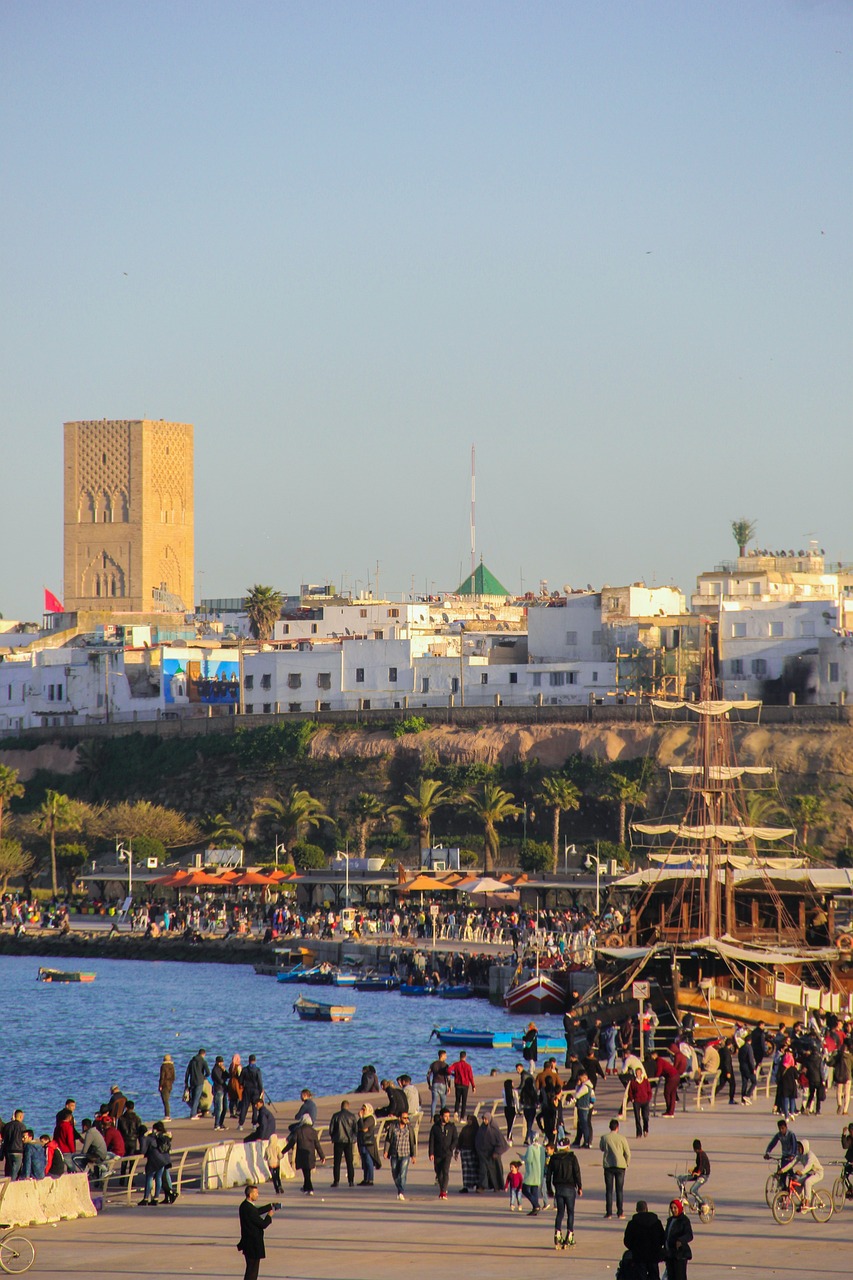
pixel 366 1234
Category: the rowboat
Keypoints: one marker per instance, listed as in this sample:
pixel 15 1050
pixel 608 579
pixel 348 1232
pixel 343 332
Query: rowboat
pixel 317 1011
pixel 299 974
pixel 341 979
pixel 409 989
pixel 375 983
pixel 62 975
pixel 465 1037
pixel 461 991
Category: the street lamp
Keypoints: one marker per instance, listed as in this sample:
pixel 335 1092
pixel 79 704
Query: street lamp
pixel 587 862
pixel 124 853
pixel 567 849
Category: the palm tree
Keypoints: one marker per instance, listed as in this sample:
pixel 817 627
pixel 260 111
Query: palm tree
pixel 624 791
pixel 743 531
pixel 14 861
pixel 291 814
pixel 367 810
pixel 809 811
pixel 56 813
pixel 10 789
pixel 420 803
pixel 560 795
pixel 263 606
pixel 492 805
pixel 221 829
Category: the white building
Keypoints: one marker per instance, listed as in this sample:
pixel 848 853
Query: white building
pixel 760 640
pixel 834 668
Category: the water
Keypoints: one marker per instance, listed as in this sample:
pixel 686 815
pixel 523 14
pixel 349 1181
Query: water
pixel 76 1040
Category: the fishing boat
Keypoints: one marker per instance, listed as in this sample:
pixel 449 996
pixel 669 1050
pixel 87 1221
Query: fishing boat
pixel 458 991
pixel 721 925
pixel 374 982
pixel 63 975
pixel 543 991
pixel 466 1038
pixel 417 989
pixel 318 1011
pixel 341 979
pixel 298 974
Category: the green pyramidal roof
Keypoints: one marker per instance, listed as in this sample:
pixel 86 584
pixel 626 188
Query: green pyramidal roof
pixel 481 583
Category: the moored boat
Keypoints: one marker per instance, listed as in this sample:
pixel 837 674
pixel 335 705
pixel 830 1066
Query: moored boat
pixel 459 991
pixel 376 983
pixel 63 975
pixel 319 1011
pixel 465 1037
pixel 299 974
pixel 544 1044
pixel 341 979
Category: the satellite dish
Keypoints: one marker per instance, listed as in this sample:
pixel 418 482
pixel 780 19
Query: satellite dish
pixel 567 588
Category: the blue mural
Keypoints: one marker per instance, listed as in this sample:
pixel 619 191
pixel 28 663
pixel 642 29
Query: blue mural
pixel 214 681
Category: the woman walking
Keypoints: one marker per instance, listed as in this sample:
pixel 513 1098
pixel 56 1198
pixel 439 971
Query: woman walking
pixel 676 1247
pixel 640 1095
pixel 468 1155
pixel 235 1087
pixel 166 1083
pixel 308 1152
pixel 367 1148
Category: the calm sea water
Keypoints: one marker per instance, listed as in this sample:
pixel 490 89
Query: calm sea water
pixel 76 1040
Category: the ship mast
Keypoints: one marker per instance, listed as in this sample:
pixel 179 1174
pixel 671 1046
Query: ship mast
pixel 710 786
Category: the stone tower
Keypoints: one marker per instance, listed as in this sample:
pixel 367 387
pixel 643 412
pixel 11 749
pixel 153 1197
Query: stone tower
pixel 129 516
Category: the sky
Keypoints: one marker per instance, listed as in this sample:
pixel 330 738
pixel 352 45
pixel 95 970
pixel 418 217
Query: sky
pixel 608 244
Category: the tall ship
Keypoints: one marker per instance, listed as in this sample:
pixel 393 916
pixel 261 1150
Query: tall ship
pixel 727 922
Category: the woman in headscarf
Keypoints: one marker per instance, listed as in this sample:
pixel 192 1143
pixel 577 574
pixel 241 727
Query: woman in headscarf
pixel 676 1246
pixel 367 1148
pixel 787 1085
pixel 468 1154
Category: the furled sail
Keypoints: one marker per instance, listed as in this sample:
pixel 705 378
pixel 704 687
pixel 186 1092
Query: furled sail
pixel 708 708
pixel 712 831
pixel 722 772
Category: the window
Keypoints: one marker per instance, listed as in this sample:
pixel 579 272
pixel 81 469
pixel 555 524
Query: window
pixel 759 667
pixel 266 681
pixel 537 679
pixel 362 613
pixel 513 677
pixel 359 675
pixel 484 677
pixel 59 693
pixel 392 675
pixel 557 678
pixel 379 635
pixel 454 684
pixel 313 628
pixel 250 708
pixel 393 613
pixel 294 706
pixel 806 628
pixel 50 693
pixel 325 706
pixel 267 708
pixel 324 680
pixel 294 680
pixel 613 602
pixel 248 682
pixel 833 673
pixel 736 666
pixel 738 630
pixel 594 677
pixel 365 704
pixel 571 637
pixel 776 629
pixel 755 588
pixel 285 630
pixel 425 684
pixel 572 677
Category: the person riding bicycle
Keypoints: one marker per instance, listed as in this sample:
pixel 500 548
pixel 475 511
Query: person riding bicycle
pixel 699 1174
pixel 810 1169
pixel 787 1140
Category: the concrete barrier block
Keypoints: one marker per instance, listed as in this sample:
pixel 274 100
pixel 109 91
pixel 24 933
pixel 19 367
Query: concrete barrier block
pixel 234 1164
pixel 29 1203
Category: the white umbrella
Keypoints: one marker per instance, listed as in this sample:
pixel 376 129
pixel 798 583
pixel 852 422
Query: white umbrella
pixel 484 884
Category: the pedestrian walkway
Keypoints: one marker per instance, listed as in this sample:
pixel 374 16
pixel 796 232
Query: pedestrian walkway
pixel 366 1234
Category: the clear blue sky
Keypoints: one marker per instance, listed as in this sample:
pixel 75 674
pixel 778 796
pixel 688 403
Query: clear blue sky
pixel 610 243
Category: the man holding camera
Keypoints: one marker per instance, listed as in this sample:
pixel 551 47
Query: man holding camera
pixel 254 1220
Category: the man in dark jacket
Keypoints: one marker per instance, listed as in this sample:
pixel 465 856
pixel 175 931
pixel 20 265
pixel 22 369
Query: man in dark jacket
pixel 253 1088
pixel 12 1136
pixel 565 1177
pixel 219 1078
pixel 397 1101
pixel 528 1098
pixel 443 1139
pixel 130 1127
pixel 490 1145
pixel 644 1238
pixel 746 1062
pixel 342 1134
pixel 254 1220
pixel 194 1077
pixel 264 1125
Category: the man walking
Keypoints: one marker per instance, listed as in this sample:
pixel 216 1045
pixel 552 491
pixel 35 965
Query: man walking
pixel 565 1175
pixel 194 1077
pixel 253 1088
pixel 219 1079
pixel 644 1237
pixel 443 1138
pixel 617 1157
pixel 463 1080
pixel 12 1137
pixel 438 1077
pixel 400 1152
pixel 528 1098
pixel 342 1132
pixel 254 1220
pixel 166 1083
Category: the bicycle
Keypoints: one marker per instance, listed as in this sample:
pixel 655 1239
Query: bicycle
pixel 842 1187
pixel 703 1207
pixel 17 1253
pixel 793 1200
pixel 774 1184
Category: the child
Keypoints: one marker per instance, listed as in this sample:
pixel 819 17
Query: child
pixel 513 1183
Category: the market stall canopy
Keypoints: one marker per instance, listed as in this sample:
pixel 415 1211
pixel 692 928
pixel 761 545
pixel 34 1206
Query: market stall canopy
pixel 427 884
pixel 253 880
pixel 483 884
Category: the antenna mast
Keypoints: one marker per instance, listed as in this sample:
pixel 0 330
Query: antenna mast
pixel 473 511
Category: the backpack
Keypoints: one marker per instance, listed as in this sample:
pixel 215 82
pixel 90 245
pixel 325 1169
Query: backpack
pixel 163 1143
pixel 57 1164
pixel 629 1269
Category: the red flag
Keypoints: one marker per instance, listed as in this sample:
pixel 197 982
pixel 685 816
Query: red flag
pixel 51 604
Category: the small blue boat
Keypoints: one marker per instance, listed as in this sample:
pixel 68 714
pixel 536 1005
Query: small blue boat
pixel 461 992
pixel 544 1044
pixel 407 990
pixel 376 983
pixel 299 974
pixel 344 979
pixel 466 1037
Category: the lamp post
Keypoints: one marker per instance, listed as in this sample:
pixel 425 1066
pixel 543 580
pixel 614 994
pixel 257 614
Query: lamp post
pixel 124 853
pixel 567 849
pixel 279 848
pixel 588 861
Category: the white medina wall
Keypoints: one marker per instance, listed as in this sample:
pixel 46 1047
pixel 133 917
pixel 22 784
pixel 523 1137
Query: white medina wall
pixel 572 633
pixel 359 618
pixel 647 602
pixel 756 639
pixel 294 679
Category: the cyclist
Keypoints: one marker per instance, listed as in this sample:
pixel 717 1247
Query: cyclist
pixel 787 1140
pixel 810 1169
pixel 699 1174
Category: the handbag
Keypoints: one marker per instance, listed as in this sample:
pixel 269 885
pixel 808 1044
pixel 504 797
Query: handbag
pixel 186 1095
